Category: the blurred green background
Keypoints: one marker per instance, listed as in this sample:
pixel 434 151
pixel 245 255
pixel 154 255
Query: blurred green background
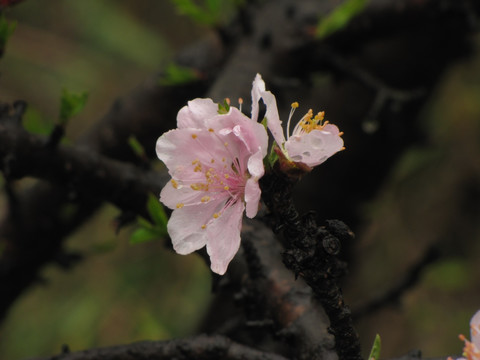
pixel 122 293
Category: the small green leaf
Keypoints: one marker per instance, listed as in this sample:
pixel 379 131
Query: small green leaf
pixel 142 235
pixel 272 157
pixel 6 30
pixel 136 147
pixel 36 123
pixel 178 75
pixel 265 123
pixel 223 108
pixel 339 17
pixel 208 12
pixel 377 345
pixel 157 212
pixel 71 104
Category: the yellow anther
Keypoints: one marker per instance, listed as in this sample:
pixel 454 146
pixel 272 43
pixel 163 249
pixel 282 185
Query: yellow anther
pixel 195 162
pixel 174 183
pixel 340 133
pixel 226 188
pixel 205 198
pixel 198 168
pixel 195 187
pixel 216 215
pixel 194 136
pixel 211 130
pixel 204 226
pixel 227 100
pixel 212 161
pixel 226 176
pixel 223 159
pixel 295 105
pixel 226 144
pixel 180 205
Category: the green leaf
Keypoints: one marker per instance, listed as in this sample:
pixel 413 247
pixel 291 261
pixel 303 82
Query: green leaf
pixel 223 108
pixel 178 75
pixel 377 345
pixel 136 147
pixel 142 235
pixel 265 123
pixel 36 123
pixel 157 212
pixel 339 17
pixel 208 12
pixel 272 157
pixel 6 30
pixel 71 104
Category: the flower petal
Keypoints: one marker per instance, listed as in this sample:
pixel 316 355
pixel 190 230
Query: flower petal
pixel 180 147
pixel 185 195
pixel 195 113
pixel 315 147
pixel 475 329
pixel 257 89
pixel 274 123
pixel 185 226
pixel 252 197
pixel 224 237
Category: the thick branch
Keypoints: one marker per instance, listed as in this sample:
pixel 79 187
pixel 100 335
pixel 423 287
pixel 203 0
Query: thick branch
pixel 202 347
pixel 82 172
pixel 311 254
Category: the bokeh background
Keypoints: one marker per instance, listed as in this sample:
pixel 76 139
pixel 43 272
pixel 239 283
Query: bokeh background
pixel 122 293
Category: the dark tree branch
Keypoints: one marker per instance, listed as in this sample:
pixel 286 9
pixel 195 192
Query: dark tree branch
pixel 84 173
pixel 311 254
pixel 201 347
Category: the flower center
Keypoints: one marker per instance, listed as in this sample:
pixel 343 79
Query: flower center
pixel 307 123
pixel 219 179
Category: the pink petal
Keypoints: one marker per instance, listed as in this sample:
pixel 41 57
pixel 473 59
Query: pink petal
pixel 475 329
pixel 224 237
pixel 274 123
pixel 257 89
pixel 195 114
pixel 180 147
pixel 255 165
pixel 315 147
pixel 185 195
pixel 185 226
pixel 252 197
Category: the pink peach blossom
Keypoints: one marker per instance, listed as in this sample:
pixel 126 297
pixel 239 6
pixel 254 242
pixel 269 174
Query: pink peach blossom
pixel 215 161
pixel 312 140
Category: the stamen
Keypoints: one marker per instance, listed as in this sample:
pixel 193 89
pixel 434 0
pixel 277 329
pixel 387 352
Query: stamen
pixel 194 136
pixel 292 110
pixel 174 184
pixel 211 130
pixel 240 103
pixel 212 161
pixel 216 215
pixel 226 188
pixel 227 100
pixel 226 176
pixel 180 205
pixel 205 199
pixel 204 226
